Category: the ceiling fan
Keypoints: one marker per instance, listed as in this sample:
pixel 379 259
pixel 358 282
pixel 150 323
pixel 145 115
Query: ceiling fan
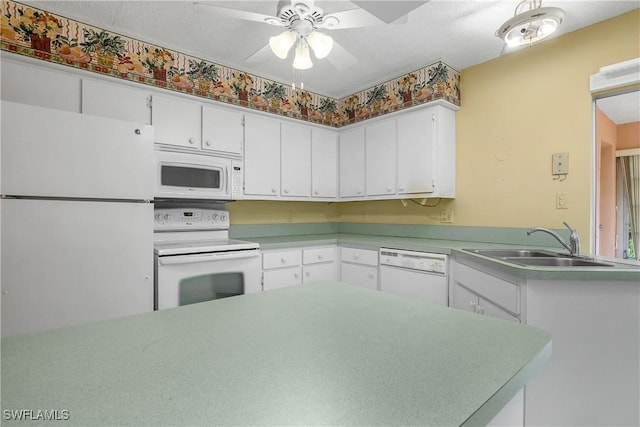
pixel 303 20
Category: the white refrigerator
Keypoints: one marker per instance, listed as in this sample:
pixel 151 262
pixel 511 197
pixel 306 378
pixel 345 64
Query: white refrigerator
pixel 76 219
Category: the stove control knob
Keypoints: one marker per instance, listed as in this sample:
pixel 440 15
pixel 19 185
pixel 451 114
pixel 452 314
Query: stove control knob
pixel 223 217
pixel 214 217
pixel 166 217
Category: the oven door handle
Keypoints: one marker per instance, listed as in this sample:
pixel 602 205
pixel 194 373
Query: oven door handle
pixel 219 256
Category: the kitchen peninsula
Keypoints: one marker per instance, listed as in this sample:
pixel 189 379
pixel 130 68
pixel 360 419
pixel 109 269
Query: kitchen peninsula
pixel 318 354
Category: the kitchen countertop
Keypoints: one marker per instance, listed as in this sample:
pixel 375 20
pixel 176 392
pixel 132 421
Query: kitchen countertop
pixel 623 271
pixel 326 353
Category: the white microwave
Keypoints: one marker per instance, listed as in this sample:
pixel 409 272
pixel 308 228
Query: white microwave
pixel 180 175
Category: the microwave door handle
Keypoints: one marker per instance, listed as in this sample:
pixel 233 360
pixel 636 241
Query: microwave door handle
pixel 219 256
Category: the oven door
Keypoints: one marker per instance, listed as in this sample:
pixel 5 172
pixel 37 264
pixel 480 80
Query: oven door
pixel 191 176
pixel 188 279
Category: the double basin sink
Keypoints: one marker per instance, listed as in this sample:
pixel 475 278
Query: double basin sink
pixel 538 258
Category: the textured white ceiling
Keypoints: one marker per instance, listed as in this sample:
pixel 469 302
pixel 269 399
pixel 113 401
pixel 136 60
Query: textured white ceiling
pixel 624 108
pixel 458 32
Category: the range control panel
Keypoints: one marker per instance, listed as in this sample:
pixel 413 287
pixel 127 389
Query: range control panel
pixel 190 218
pixel 413 260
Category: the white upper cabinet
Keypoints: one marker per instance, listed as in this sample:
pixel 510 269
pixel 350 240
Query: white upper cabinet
pixel 381 158
pixel 324 163
pixel 415 152
pixel 427 152
pixel 176 121
pixel 261 156
pixel 115 101
pixel 222 130
pixel 32 85
pixel 352 177
pixel 295 146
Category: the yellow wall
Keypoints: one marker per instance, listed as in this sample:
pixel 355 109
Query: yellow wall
pixel 517 110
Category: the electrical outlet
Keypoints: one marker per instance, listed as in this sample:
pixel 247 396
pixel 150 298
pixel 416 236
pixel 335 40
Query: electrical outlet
pixel 562 201
pixel 560 164
pixel 288 216
pixel 446 215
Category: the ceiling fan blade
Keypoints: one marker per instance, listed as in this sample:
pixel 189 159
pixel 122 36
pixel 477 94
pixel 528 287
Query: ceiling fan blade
pixel 350 19
pixel 261 55
pixel 389 11
pixel 340 57
pixel 236 14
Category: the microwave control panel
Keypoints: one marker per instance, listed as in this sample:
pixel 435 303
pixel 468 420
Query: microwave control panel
pixel 236 179
pixel 190 218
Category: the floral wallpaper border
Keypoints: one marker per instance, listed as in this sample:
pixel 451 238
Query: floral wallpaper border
pixel 40 34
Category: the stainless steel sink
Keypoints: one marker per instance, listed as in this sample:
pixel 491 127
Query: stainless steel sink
pixel 556 262
pixel 539 258
pixel 511 253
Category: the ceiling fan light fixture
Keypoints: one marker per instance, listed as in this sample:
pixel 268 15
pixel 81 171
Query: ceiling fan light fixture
pixel 320 43
pixel 532 25
pixel 302 60
pixel 281 44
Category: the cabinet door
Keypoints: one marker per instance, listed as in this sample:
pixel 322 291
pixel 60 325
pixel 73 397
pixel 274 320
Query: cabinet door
pixel 488 309
pixel 176 122
pixel 295 146
pixel 381 158
pixel 315 272
pixel 416 152
pixel 324 163
pixel 360 275
pixel 282 278
pixel 352 163
pixel 222 130
pixel 261 156
pixel 115 101
pixel 463 299
pixel 32 85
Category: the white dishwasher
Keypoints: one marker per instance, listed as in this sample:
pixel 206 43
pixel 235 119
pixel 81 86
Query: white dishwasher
pixel 414 274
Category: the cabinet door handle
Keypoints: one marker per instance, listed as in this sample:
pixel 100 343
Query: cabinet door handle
pixel 137 131
pixel 371 274
pixel 296 275
pixel 192 140
pixel 389 189
pixel 308 274
pixel 316 192
pixel 401 189
pixel 286 191
pixel 319 256
pixel 273 190
pixel 356 257
pixel 359 191
pixel 208 143
pixel 283 260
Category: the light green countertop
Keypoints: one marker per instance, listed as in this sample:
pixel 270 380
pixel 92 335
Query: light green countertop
pixel 625 270
pixel 318 354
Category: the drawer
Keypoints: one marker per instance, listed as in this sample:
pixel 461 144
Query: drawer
pixel 317 255
pixel 281 278
pixel 279 259
pixel 359 256
pixel 498 291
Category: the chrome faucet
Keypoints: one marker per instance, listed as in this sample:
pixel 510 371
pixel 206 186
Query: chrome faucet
pixel 574 240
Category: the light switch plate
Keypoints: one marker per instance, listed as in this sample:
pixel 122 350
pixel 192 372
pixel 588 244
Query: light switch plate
pixel 560 164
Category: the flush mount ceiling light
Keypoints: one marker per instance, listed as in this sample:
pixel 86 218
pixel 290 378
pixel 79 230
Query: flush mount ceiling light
pixel 531 23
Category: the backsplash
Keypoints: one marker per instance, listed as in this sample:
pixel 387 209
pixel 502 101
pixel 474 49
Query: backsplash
pixel 53 38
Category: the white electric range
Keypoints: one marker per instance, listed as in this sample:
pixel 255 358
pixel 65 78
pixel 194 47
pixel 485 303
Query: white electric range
pixel 195 261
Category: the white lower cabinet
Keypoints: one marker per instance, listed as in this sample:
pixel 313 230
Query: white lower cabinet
pixel 293 266
pixel 359 267
pixel 481 293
